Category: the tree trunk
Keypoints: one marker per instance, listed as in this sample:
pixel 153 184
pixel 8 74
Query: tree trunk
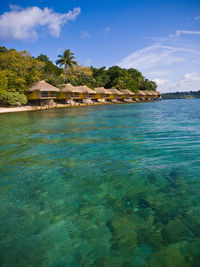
pixel 65 74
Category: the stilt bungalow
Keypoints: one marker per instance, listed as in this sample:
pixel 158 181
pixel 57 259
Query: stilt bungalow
pixel 102 94
pixel 42 92
pixel 148 95
pixel 87 94
pixel 116 95
pixel 159 96
pixel 107 94
pixel 69 92
pixel 127 95
pixel 153 95
pixel 142 95
pixel 135 97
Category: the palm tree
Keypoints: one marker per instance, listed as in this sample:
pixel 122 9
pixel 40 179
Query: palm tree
pixel 66 60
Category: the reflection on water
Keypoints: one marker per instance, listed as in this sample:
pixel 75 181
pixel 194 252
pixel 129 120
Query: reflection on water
pixel 113 185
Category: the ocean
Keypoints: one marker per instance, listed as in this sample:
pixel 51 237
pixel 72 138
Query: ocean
pixel 109 185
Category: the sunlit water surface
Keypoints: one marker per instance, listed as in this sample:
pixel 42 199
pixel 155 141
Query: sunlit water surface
pixel 113 185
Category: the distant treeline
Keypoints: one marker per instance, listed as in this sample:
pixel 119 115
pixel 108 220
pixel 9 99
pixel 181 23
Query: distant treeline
pixel 181 95
pixel 18 70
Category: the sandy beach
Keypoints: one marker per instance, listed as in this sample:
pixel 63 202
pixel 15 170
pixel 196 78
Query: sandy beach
pixel 31 108
pixel 16 109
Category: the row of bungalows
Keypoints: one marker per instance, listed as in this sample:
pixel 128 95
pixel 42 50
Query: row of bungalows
pixel 43 92
pixel 70 92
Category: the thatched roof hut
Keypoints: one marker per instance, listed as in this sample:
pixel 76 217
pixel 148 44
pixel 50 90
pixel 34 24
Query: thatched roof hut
pixel 127 92
pixel 102 90
pixel 141 92
pixel 148 92
pixel 153 93
pixel 70 88
pixel 114 91
pixel 85 90
pixel 158 93
pixel 43 86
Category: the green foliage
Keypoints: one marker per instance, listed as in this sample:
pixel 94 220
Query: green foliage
pixel 3 49
pixel 19 70
pixel 13 99
pixel 101 77
pixel 49 67
pixel 66 60
pixel 51 73
pixel 116 77
pixel 3 81
pixel 82 80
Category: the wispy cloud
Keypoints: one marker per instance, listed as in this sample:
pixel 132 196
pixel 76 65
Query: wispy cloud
pixel 151 56
pixel 179 32
pixel 175 49
pixel 197 18
pixel 85 34
pixel 15 7
pixel 172 62
pixel 159 72
pixel 164 83
pixel 22 23
pixel 107 30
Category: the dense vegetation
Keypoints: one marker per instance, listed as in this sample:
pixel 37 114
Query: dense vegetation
pixel 114 77
pixel 13 99
pixel 18 70
pixel 181 95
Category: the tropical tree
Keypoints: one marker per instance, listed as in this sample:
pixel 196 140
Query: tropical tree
pixel 18 70
pixel 51 73
pixel 66 60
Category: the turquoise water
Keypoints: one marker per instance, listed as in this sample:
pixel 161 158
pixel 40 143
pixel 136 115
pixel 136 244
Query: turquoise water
pixel 113 185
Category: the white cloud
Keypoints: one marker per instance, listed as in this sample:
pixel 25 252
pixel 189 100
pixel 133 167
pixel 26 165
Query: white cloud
pixel 161 82
pixel 197 18
pixel 159 72
pixel 194 77
pixel 85 34
pixel 151 56
pixel 23 23
pixel 189 82
pixel 166 85
pixel 172 62
pixel 179 32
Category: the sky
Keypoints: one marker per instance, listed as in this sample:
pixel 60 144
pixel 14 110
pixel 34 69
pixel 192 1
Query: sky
pixel 159 38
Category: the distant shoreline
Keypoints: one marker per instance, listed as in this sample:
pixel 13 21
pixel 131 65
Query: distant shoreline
pixel 182 95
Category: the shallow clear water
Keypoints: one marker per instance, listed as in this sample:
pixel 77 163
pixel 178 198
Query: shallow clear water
pixel 113 185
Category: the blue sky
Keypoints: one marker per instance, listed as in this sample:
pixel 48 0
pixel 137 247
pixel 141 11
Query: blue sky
pixel 159 38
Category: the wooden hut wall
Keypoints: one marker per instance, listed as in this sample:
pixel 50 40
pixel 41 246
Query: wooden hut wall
pixel 112 96
pixel 99 96
pixel 33 95
pixel 61 95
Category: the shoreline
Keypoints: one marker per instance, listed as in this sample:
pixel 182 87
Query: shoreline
pixel 4 110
